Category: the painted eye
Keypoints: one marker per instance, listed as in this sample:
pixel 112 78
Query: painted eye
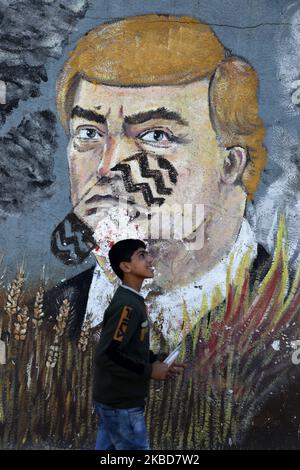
pixel 89 133
pixel 155 136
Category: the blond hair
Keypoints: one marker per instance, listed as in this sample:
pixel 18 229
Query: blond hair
pixel 165 50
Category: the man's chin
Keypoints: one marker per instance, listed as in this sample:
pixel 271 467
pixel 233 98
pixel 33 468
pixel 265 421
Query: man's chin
pixel 94 219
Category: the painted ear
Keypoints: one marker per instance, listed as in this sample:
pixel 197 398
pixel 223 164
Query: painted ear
pixel 234 165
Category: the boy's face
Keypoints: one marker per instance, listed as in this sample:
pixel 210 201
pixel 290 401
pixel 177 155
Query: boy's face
pixel 140 265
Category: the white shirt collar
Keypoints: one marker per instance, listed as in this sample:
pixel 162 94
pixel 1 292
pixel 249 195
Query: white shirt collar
pixel 132 290
pixel 102 290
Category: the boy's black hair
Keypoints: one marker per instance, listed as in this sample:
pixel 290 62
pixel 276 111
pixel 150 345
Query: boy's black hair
pixel 123 251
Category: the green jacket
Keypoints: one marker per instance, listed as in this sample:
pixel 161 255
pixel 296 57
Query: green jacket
pixel 123 358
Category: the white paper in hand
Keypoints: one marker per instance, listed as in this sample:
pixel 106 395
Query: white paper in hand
pixel 172 356
pixel 2 353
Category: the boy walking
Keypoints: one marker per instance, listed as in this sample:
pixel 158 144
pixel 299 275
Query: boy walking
pixel 124 363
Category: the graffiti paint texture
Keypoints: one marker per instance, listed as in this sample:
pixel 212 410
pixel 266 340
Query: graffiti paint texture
pixel 163 130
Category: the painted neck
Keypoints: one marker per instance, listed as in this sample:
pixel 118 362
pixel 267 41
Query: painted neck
pixel 177 266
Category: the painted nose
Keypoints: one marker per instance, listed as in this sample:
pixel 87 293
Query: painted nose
pixel 115 150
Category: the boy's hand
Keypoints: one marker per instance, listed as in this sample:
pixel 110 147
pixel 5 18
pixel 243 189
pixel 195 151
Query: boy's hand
pixel 162 356
pixel 176 369
pixel 159 371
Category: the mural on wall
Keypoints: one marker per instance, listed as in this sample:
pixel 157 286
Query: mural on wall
pixel 165 143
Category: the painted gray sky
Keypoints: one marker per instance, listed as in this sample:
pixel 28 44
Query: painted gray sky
pixel 259 30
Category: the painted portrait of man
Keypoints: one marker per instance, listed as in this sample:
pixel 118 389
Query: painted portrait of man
pixel 172 121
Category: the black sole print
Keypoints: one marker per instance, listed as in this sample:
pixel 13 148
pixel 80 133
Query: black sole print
pixel 72 241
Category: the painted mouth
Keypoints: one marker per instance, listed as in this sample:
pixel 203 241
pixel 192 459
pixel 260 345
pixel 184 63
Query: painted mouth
pixel 100 198
pixel 107 201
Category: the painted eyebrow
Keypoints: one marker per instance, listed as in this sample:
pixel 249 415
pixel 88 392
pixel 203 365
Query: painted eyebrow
pixel 88 114
pixel 159 113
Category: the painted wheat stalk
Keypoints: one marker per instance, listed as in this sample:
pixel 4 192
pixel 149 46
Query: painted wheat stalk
pixel 20 326
pixel 62 317
pixel 38 312
pixel 37 321
pixel 53 353
pixel 85 335
pixel 52 356
pixel 13 298
pixel 59 327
